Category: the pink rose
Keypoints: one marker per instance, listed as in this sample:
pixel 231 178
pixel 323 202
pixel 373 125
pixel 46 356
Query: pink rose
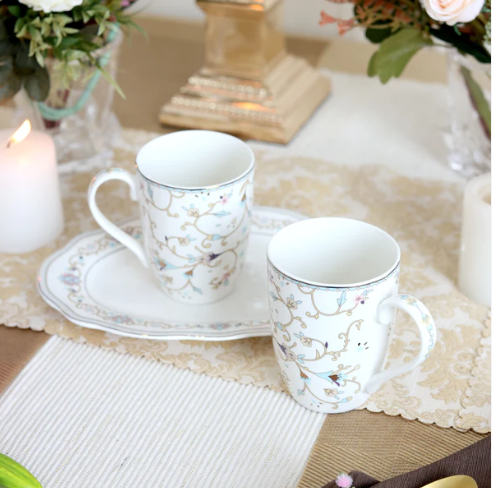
pixel 453 11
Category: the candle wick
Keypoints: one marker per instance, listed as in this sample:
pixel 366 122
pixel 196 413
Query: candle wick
pixel 9 143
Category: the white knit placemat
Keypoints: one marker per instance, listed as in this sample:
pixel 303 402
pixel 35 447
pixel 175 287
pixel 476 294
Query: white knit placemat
pixel 79 416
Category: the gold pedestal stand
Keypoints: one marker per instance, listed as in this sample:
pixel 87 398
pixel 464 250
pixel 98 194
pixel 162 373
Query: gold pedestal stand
pixel 249 85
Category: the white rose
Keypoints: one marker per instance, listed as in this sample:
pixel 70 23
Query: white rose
pixel 453 11
pixel 52 5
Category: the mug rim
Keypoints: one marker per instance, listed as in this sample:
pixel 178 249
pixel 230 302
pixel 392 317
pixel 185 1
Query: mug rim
pixel 315 284
pixel 217 186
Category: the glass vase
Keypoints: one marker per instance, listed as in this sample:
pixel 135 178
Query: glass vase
pixel 468 139
pixel 79 115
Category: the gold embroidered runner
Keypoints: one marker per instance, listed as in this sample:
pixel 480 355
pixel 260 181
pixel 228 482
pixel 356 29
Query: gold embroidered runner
pixel 424 216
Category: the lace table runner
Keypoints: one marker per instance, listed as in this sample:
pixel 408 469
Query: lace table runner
pixel 451 389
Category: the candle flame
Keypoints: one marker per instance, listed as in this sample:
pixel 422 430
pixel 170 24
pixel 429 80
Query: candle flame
pixel 21 133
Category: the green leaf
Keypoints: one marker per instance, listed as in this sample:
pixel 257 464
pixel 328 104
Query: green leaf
pixel 57 32
pixel 68 42
pixel 25 65
pixel 45 29
pixel 39 58
pixel 462 42
pixel 35 34
pixel 395 52
pixel 131 23
pixel 376 36
pixel 6 48
pixel 15 10
pixel 6 67
pixel 112 81
pixel 38 85
pixel 4 34
pixel 22 32
pixel 478 98
pixel 10 88
pixel 19 24
pixel 89 31
pixel 372 67
pixel 62 19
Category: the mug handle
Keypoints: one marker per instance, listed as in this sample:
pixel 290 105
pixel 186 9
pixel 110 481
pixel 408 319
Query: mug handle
pixel 112 229
pixel 427 328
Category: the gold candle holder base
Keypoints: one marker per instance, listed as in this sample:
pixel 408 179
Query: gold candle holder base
pixel 249 86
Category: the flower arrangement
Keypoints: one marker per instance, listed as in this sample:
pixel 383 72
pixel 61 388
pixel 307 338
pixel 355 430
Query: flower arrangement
pixel 66 31
pixel 403 27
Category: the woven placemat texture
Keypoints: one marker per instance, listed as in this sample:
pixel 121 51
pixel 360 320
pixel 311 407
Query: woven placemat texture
pixel 379 445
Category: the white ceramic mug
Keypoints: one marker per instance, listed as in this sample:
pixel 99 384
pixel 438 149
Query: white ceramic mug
pixel 333 287
pixel 195 191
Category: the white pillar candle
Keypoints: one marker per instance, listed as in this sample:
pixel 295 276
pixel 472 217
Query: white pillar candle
pixel 30 205
pixel 475 252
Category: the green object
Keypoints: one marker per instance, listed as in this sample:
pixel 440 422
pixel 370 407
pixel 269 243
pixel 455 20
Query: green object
pixel 378 35
pixel 18 69
pixel 477 98
pixel 395 52
pixel 13 475
pixel 29 37
pixel 15 10
pixel 461 42
pixel 38 84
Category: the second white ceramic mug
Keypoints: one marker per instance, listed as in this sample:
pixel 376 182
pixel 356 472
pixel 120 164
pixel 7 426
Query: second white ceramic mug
pixel 333 291
pixel 195 192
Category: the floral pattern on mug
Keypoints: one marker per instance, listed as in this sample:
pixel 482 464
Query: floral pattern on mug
pixel 197 239
pixel 321 338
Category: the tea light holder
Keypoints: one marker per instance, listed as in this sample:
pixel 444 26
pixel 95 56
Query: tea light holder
pixel 474 278
pixel 249 85
pixel 31 213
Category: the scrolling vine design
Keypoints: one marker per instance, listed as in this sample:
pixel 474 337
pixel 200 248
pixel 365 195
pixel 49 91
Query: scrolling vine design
pixel 337 378
pixel 197 247
pixel 341 300
pixel 309 353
